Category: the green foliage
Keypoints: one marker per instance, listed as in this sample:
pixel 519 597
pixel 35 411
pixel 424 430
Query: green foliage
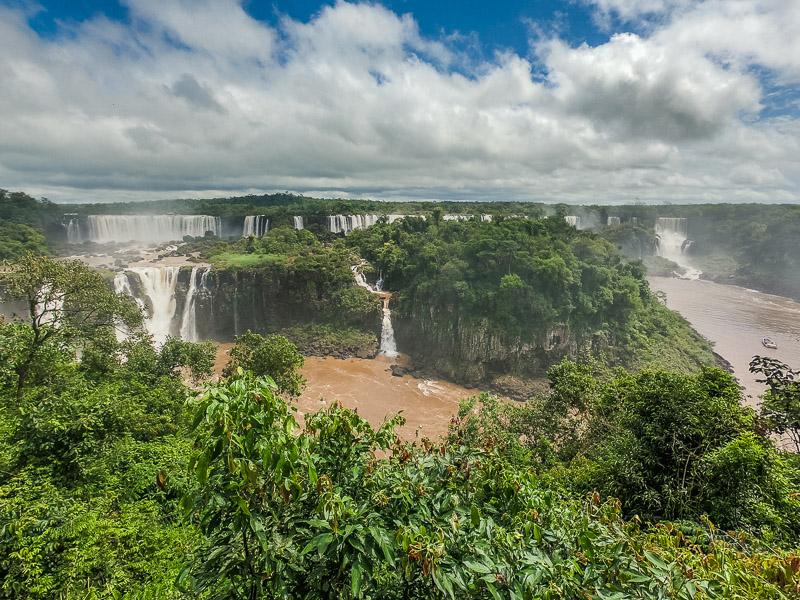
pixel 274 356
pixel 68 304
pixel 318 515
pixel 781 405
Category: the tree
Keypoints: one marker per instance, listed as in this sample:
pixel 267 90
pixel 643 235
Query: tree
pixel 274 356
pixel 781 406
pixel 68 305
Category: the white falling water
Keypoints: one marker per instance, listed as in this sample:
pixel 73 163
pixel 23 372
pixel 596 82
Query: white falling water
pixel 197 285
pixel 49 308
pixel 671 241
pixel 347 223
pixel 148 228
pixel 74 231
pixel 574 221
pixel 298 222
pixel 158 286
pixel 388 345
pixel 611 221
pixel 256 225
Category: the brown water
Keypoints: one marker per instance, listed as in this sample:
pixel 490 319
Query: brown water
pixel 369 386
pixel 735 320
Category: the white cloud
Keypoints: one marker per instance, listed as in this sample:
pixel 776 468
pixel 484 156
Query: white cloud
pixel 198 99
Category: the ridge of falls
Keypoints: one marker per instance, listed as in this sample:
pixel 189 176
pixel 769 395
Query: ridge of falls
pixel 197 285
pixel 574 221
pixel 298 222
pixel 103 229
pixel 612 221
pixel 347 223
pixel 672 241
pixel 388 344
pixel 256 225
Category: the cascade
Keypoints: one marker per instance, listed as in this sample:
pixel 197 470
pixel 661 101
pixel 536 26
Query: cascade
pixel 379 282
pixel 388 345
pixel 74 231
pixel 574 221
pixel 158 302
pixel 298 222
pixel 347 223
pixel 671 241
pixel 256 225
pixel 634 221
pixel 197 285
pixel 103 229
pixel 611 221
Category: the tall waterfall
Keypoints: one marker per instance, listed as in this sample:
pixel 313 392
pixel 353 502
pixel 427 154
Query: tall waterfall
pixel 574 221
pixel 388 345
pixel 144 228
pixel 256 225
pixel 611 221
pixel 197 285
pixel 347 223
pixel 158 288
pixel 671 241
pixel 298 222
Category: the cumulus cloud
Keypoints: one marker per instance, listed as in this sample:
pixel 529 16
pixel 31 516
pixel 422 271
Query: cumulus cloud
pixel 197 98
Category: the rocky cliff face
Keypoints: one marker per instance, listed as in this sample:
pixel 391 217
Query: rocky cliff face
pixel 472 353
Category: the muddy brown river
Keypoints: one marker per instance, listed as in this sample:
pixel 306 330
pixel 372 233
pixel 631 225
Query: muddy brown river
pixel 369 386
pixel 735 320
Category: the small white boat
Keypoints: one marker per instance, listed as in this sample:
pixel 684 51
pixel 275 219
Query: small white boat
pixel 768 343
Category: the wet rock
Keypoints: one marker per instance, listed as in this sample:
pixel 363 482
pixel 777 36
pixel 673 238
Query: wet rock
pixel 398 371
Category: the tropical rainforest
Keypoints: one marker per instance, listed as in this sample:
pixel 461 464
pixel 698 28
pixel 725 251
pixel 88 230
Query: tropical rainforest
pixel 127 471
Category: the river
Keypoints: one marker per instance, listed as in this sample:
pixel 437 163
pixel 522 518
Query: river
pixel 369 386
pixel 735 320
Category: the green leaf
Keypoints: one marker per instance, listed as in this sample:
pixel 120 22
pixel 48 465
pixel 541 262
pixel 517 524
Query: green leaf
pixel 475 516
pixel 312 473
pixel 355 580
pixel 475 566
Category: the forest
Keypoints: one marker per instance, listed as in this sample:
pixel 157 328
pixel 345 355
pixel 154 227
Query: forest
pixel 128 471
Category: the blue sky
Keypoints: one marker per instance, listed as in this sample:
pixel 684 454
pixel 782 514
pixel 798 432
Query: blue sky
pixel 581 101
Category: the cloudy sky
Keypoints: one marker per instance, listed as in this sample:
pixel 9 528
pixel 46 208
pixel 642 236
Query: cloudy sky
pixel 580 101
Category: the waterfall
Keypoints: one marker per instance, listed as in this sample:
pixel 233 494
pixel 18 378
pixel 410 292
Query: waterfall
pixel 197 285
pixel 256 225
pixel 574 221
pixel 103 229
pixel 158 288
pixel 74 231
pixel 379 283
pixel 388 346
pixel 298 222
pixel 671 241
pixel 347 223
pixel 634 221
pixel 611 221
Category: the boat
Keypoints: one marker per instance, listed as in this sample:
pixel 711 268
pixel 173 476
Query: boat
pixel 768 343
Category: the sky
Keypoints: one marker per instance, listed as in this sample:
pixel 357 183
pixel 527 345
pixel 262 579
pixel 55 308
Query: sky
pixel 576 101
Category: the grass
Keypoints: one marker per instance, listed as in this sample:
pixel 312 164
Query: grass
pixel 233 259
